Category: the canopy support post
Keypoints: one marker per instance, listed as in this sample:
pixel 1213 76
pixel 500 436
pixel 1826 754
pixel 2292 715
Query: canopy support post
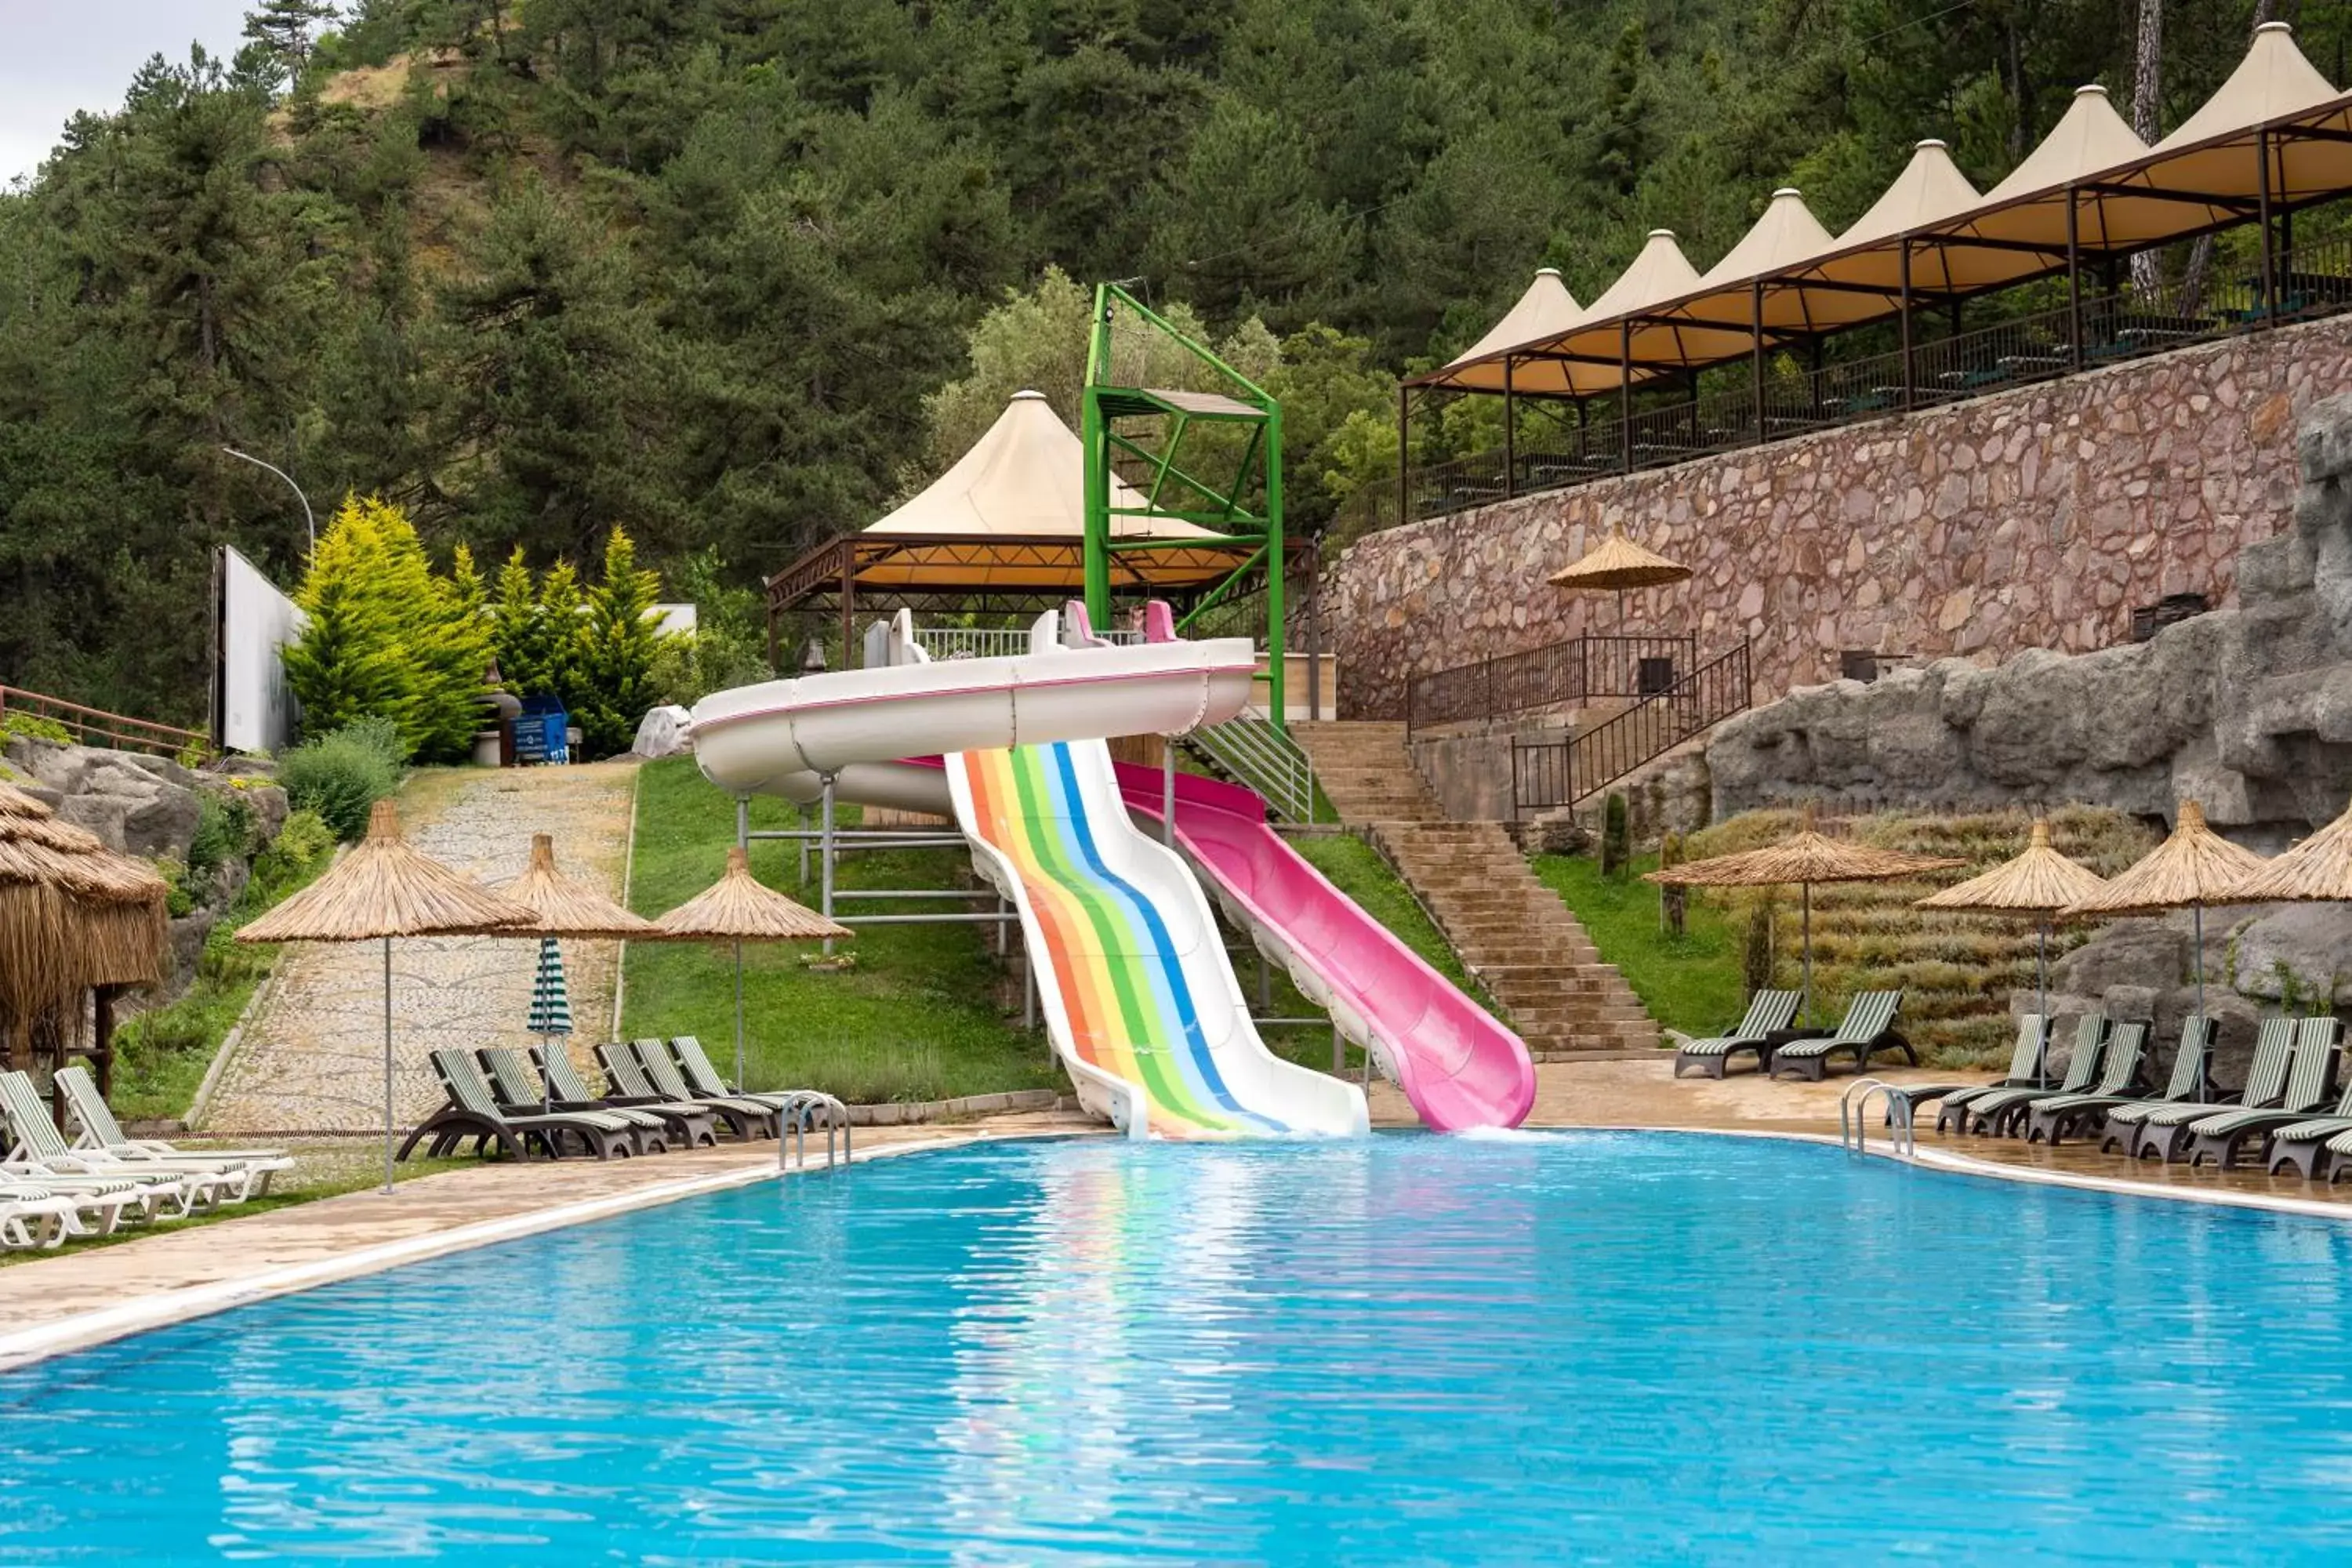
pixel 1510 433
pixel 2074 282
pixel 1756 357
pixel 1404 453
pixel 849 608
pixel 1625 393
pixel 1904 249
pixel 2262 147
pixel 1314 632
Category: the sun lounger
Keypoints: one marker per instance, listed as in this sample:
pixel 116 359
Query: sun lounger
pixel 34 1217
pixel 1992 1113
pixel 249 1169
pixel 2306 1148
pixel 2220 1138
pixel 694 1065
pixel 689 1126
pixel 746 1119
pixel 472 1111
pixel 39 1152
pixel 2055 1118
pixel 515 1083
pixel 1769 1014
pixel 2029 1063
pixel 630 1084
pixel 1867 1029
pixel 2162 1131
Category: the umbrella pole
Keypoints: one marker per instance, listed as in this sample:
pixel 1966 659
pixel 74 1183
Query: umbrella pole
pixel 387 1066
pixel 738 1015
pixel 1805 897
pixel 2197 920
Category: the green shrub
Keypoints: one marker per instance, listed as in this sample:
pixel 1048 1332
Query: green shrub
pixel 225 829
pixel 301 846
pixel 178 900
pixel 33 727
pixel 1756 949
pixel 1616 838
pixel 340 776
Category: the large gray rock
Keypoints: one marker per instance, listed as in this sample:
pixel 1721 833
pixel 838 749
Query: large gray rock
pixel 2246 711
pixel 2149 953
pixel 2300 955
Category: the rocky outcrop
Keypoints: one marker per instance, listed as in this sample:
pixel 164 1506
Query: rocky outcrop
pixel 2247 712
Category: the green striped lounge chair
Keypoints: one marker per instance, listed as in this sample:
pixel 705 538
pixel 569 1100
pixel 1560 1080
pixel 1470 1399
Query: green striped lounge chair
pixel 515 1084
pixel 1769 1014
pixel 2058 1117
pixel 472 1111
pixel 38 1153
pixel 1992 1113
pixel 2220 1138
pixel 2198 1033
pixel 688 1126
pixel 744 1117
pixel 702 1076
pixel 246 1172
pixel 1867 1029
pixel 2027 1059
pixel 2162 1132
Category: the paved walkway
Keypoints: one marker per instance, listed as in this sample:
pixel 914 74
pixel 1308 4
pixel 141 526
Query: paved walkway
pixel 311 1057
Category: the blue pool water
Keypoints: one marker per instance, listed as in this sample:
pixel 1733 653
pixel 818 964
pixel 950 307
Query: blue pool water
pixel 1557 1348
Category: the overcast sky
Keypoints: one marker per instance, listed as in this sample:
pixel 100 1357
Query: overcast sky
pixel 57 55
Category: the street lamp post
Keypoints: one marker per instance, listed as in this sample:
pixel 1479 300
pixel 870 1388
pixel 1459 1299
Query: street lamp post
pixel 310 523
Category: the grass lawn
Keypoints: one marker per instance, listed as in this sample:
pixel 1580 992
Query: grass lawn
pixel 928 1012
pixel 1690 983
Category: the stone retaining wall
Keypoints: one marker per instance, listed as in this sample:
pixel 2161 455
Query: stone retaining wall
pixel 2036 518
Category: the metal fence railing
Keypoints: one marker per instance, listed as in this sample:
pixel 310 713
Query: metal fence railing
pixel 97 727
pixel 1548 774
pixel 1558 675
pixel 1254 752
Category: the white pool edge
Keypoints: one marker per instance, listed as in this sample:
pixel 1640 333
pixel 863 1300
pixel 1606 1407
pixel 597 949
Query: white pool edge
pixel 163 1309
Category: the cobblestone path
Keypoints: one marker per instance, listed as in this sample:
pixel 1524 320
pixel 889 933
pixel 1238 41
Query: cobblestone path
pixel 311 1057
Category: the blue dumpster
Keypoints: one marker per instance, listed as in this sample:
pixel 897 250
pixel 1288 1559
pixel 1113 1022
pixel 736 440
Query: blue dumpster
pixel 538 732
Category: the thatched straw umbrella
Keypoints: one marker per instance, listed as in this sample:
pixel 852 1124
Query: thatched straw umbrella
pixel 2318 870
pixel 564 906
pixel 2193 868
pixel 1804 859
pixel 1619 563
pixel 384 888
pixel 2039 882
pixel 73 914
pixel 739 908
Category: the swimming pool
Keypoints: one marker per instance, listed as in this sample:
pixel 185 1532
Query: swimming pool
pixel 1565 1347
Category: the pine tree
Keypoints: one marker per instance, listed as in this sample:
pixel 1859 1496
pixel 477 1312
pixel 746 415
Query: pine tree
pixel 622 643
pixel 284 31
pixel 348 664
pixel 563 637
pixel 517 630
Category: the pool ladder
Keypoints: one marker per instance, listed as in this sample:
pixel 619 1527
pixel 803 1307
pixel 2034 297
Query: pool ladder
pixel 801 1109
pixel 1853 1126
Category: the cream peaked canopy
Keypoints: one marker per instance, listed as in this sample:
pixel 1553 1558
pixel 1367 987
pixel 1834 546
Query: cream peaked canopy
pixel 1546 310
pixel 1787 233
pixel 1026 477
pixel 2091 170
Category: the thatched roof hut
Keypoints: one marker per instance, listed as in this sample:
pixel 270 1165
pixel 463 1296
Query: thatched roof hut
pixel 73 915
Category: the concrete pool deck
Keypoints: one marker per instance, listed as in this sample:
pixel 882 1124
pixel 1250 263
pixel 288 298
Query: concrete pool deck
pixel 77 1299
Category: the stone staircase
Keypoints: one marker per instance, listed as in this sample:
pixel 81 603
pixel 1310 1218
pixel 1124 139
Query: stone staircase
pixel 1513 932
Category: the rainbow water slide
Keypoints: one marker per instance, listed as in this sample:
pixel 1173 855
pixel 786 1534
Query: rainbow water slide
pixel 1138 994
pixel 1459 1066
pixel 1140 999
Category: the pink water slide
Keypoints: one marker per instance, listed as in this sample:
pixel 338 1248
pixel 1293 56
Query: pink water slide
pixel 1458 1065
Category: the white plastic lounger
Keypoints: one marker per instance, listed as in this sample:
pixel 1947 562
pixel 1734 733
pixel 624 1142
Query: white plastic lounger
pixel 102 1134
pixel 37 1151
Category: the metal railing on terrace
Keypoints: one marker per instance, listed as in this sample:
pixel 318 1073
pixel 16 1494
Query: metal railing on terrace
pixel 97 727
pixel 1558 675
pixel 1747 404
pixel 1548 774
pixel 989 642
